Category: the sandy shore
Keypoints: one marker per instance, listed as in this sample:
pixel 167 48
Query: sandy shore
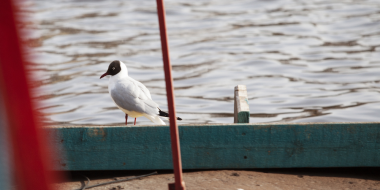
pixel 310 178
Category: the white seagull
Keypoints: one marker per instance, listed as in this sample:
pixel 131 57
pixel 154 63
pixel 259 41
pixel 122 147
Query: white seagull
pixel 131 96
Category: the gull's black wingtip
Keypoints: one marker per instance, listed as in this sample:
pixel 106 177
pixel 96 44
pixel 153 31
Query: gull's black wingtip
pixel 164 114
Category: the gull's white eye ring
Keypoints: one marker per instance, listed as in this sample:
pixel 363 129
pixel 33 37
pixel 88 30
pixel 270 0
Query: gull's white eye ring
pixel 113 68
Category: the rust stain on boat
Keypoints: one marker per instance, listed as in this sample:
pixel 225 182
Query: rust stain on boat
pixel 97 132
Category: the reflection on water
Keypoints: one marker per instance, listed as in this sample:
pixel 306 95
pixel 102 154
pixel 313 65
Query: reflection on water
pixel 302 61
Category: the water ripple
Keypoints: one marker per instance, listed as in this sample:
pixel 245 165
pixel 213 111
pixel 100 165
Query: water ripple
pixel 313 61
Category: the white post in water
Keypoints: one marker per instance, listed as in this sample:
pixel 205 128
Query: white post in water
pixel 241 110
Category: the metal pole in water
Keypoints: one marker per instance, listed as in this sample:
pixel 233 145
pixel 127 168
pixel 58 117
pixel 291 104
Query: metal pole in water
pixel 176 152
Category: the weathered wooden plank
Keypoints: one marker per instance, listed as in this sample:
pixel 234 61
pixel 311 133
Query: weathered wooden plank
pixel 241 107
pixel 220 146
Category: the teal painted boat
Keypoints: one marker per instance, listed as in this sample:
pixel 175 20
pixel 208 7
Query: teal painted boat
pixel 231 146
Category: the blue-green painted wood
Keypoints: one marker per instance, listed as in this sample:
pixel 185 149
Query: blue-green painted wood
pixel 220 146
pixel 243 117
pixel 5 161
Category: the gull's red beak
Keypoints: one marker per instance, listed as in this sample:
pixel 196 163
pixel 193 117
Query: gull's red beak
pixel 105 74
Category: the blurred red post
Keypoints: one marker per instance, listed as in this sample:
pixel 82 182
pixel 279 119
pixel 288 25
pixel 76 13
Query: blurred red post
pixel 176 152
pixel 29 156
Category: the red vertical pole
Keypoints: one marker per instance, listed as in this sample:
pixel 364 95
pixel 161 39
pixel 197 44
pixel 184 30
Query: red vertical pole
pixel 28 155
pixel 176 152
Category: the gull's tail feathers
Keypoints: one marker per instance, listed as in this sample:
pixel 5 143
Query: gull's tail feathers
pixel 155 119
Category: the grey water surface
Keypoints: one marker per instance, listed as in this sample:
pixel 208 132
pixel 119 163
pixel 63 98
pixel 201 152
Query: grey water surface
pixel 302 61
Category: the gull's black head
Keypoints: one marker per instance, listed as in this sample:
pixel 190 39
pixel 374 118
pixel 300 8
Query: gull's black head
pixel 113 68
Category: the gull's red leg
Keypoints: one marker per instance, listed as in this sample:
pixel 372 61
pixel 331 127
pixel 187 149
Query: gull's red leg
pixel 135 121
pixel 126 118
